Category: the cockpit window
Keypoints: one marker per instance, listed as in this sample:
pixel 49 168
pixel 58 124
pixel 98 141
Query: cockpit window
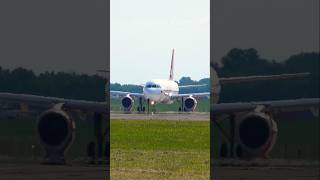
pixel 152 86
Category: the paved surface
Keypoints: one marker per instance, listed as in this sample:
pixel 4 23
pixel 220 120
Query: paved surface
pixel 186 116
pixel 266 173
pixel 275 169
pixel 19 171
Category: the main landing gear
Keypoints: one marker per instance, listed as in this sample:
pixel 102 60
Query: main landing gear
pixel 227 149
pixel 181 108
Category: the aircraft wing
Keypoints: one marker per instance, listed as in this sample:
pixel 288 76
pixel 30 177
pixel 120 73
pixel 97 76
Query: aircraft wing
pixel 49 102
pixel 123 93
pixel 277 105
pixel 233 80
pixel 197 85
pixel 195 95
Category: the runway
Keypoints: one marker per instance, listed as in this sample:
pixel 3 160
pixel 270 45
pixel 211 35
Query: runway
pixel 185 116
pixel 265 169
pixel 19 171
pixel 266 173
pixel 29 171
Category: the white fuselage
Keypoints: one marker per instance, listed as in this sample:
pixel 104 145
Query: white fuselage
pixel 160 90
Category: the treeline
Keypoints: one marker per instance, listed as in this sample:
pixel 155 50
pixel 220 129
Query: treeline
pixel 183 81
pixel 243 62
pixel 56 84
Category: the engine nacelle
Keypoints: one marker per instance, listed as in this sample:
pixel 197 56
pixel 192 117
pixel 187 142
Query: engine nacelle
pixel 190 104
pixel 56 131
pixel 257 133
pixel 127 103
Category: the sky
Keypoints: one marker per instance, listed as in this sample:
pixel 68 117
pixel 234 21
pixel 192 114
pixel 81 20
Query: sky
pixel 276 28
pixel 60 35
pixel 143 33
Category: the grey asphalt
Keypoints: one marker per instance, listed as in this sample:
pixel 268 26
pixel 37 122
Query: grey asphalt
pixel 184 116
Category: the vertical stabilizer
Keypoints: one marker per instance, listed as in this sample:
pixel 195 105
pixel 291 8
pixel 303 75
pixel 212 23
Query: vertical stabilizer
pixel 171 67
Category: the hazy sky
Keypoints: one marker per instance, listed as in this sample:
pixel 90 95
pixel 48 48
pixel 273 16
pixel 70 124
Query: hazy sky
pixel 59 35
pixel 276 28
pixel 143 32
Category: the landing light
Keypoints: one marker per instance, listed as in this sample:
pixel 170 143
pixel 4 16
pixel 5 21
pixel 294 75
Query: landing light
pixel 152 102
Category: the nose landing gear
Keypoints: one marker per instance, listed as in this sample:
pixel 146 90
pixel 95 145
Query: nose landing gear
pixel 141 108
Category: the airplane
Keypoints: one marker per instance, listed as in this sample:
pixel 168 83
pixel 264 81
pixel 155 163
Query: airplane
pixel 161 91
pixel 252 125
pixel 56 125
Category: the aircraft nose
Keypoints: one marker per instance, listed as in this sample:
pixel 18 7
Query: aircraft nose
pixel 152 91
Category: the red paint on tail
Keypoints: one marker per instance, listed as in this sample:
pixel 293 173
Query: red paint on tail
pixel 171 67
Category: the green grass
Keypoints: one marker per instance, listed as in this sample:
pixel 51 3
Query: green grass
pixel 159 135
pixel 202 106
pixel 18 135
pixel 159 149
pixel 298 135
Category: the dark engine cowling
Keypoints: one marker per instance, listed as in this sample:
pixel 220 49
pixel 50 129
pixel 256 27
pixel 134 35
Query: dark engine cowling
pixel 127 103
pixel 257 133
pixel 190 104
pixel 56 131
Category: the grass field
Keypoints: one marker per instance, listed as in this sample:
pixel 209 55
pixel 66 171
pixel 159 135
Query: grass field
pixel 298 139
pixel 159 149
pixel 202 106
pixel 18 135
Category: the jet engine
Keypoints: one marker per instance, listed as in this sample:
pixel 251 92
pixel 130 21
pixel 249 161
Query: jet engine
pixel 190 104
pixel 127 103
pixel 56 131
pixel 257 133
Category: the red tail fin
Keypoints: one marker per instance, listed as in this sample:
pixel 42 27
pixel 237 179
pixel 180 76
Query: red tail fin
pixel 171 67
